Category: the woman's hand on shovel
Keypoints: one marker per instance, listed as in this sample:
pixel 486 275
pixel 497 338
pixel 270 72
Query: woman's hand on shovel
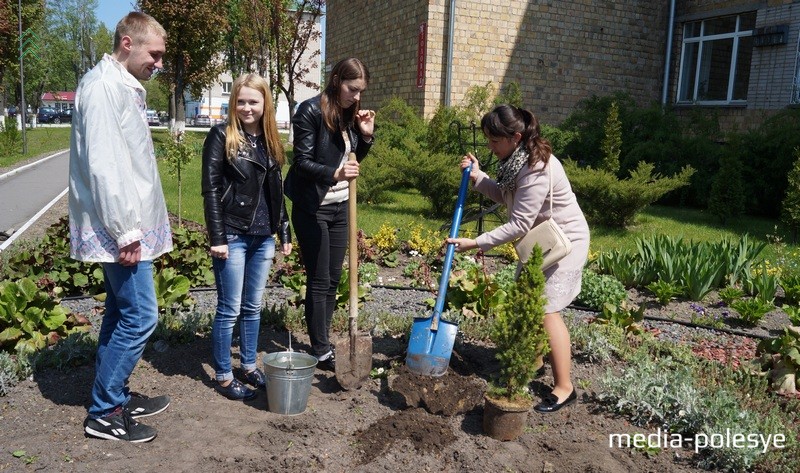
pixel 348 172
pixel 468 159
pixel 463 244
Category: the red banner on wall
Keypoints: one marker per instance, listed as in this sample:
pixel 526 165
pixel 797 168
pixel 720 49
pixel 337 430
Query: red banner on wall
pixel 422 47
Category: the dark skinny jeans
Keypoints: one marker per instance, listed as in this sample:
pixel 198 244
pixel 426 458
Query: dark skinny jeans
pixel 323 242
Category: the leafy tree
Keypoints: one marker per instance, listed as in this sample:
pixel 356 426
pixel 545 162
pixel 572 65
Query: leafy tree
pixel 727 190
pixel 72 32
pixel 612 141
pixel 195 43
pixel 157 95
pixel 249 38
pixel 33 19
pixel 293 30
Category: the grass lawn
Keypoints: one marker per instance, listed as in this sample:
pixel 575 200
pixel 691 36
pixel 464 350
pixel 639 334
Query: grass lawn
pixel 41 140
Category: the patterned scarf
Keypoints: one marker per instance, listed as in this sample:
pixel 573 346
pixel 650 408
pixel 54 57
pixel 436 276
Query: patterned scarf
pixel 509 168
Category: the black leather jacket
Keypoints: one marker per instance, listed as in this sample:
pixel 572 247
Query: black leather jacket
pixel 317 154
pixel 231 191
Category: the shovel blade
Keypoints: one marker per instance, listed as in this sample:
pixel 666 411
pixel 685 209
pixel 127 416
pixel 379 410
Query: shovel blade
pixel 353 363
pixel 429 350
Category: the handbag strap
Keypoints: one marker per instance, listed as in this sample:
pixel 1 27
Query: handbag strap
pixel 550 192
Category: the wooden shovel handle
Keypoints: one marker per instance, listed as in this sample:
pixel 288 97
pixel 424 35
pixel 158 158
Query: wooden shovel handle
pixel 352 233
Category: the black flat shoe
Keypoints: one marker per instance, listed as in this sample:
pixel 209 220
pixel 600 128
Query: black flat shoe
pixel 236 391
pixel 257 379
pixel 551 404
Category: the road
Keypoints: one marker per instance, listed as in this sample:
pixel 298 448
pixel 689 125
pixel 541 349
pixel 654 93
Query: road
pixel 28 191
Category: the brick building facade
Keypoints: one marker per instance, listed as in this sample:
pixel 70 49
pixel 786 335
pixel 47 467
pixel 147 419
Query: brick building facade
pixel 739 57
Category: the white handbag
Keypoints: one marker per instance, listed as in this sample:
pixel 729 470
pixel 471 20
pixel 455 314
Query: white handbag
pixel 548 235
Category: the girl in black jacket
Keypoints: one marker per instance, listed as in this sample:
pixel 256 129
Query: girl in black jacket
pixel 326 129
pixel 244 211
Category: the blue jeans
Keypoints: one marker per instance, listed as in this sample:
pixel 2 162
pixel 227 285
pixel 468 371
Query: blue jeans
pixel 130 318
pixel 241 280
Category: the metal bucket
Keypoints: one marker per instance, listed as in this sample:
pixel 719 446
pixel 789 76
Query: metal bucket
pixel 289 375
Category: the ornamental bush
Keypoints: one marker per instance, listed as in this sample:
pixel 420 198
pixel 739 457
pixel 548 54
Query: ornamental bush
pixel 518 331
pixel 613 202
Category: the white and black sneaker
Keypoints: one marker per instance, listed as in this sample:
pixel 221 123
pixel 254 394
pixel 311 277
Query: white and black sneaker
pixel 119 426
pixel 143 406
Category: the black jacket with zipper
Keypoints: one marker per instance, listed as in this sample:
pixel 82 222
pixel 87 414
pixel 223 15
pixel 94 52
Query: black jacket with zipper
pixel 232 190
pixel 317 154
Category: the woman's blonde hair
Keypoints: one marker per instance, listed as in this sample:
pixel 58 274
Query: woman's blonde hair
pixel 234 135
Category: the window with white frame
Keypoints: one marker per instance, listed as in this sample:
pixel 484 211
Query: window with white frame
pixel 715 60
pixel 226 87
pixel 796 83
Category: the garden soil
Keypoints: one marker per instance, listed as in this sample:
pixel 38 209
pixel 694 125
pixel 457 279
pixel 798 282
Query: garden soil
pixel 398 424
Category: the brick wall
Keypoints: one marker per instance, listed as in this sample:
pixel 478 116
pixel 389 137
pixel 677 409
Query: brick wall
pixel 560 52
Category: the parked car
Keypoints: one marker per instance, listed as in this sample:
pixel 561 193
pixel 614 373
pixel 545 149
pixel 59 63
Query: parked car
pixel 48 115
pixel 202 120
pixel 152 118
pixel 65 116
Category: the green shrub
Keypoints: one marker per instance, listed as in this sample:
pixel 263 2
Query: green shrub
pixel 769 152
pixel 730 294
pixel 31 319
pixel 76 349
pixel 597 290
pixel 614 202
pixel 664 291
pixel 791 288
pixel 12 369
pixel 377 175
pixel 790 208
pixel 751 311
pixel 586 123
pixel 10 138
pixel 727 190
pixel 473 291
pixel 666 392
pixel 610 146
pixel 518 331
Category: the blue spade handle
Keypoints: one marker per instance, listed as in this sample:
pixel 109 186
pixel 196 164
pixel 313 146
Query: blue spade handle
pixel 451 247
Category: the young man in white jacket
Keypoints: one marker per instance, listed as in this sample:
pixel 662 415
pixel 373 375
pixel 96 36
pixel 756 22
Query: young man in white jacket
pixel 118 217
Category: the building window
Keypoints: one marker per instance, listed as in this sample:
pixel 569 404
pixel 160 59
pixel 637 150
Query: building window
pixel 226 87
pixel 796 83
pixel 715 60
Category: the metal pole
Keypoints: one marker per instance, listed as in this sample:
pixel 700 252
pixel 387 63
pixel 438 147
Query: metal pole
pixel 23 107
pixel 449 71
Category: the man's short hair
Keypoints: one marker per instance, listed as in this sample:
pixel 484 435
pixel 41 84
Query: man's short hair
pixel 137 25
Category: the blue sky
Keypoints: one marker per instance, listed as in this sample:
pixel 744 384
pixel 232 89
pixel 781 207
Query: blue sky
pixel 110 12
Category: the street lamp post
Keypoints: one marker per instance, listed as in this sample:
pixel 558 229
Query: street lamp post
pixel 23 108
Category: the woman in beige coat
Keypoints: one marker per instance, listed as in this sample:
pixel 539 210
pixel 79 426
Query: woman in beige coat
pixel 523 185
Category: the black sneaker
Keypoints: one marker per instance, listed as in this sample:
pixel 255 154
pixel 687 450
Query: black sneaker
pixel 236 391
pixel 143 406
pixel 327 362
pixel 119 426
pixel 257 379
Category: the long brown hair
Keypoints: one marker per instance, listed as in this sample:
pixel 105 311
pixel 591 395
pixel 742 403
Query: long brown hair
pixel 234 136
pixel 505 120
pixel 333 115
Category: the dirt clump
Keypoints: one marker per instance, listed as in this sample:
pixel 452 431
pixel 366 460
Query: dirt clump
pixel 427 434
pixel 448 395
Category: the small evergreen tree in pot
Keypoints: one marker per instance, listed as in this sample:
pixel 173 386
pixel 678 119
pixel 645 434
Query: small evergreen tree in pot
pixel 519 335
